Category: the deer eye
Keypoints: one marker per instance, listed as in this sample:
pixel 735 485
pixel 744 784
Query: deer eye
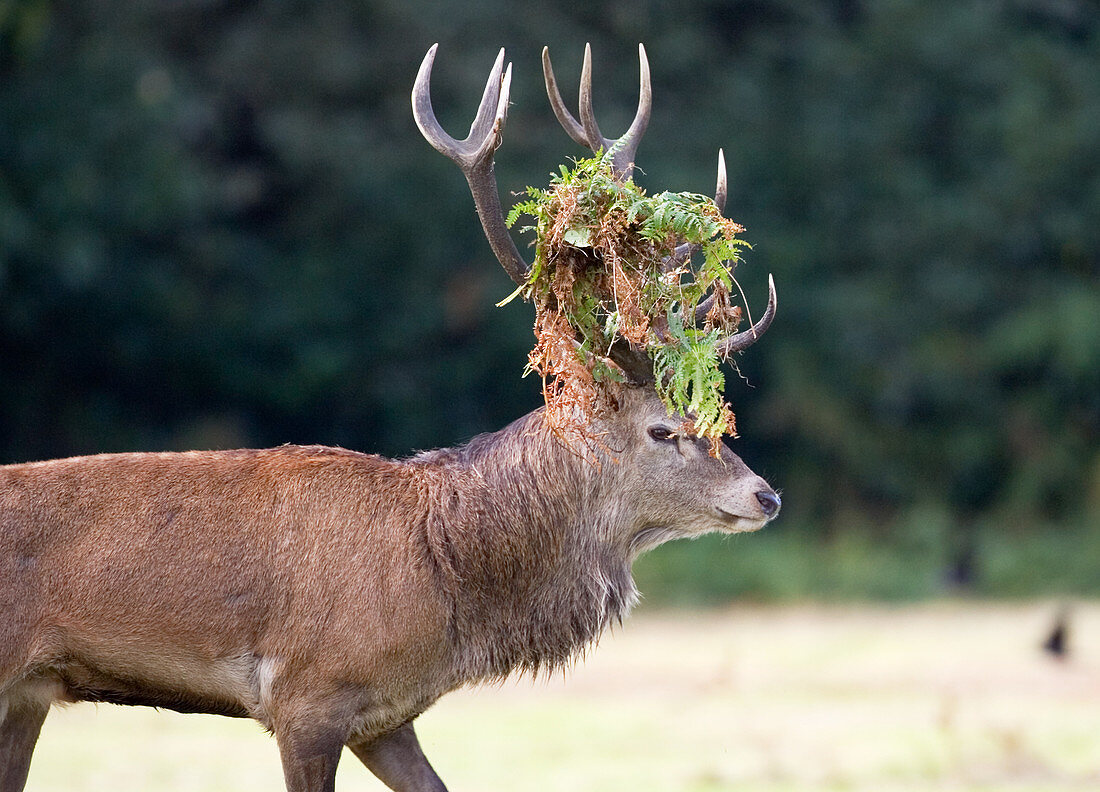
pixel 662 434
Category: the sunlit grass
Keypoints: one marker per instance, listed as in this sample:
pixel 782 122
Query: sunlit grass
pixel 940 697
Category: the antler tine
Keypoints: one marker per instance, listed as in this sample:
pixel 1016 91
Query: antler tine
pixel 586 132
pixel 747 338
pixel 624 157
pixel 565 118
pixel 720 189
pixel 686 250
pixel 490 108
pixel 584 101
pixel 474 155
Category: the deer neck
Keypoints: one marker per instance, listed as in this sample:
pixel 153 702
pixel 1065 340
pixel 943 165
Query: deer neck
pixel 523 540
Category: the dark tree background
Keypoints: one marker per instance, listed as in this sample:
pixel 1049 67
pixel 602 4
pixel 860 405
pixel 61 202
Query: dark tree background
pixel 220 227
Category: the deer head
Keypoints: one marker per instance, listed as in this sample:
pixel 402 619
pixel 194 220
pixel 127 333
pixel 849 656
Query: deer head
pixel 726 496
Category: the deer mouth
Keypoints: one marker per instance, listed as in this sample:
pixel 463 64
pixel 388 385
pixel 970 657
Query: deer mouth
pixel 739 523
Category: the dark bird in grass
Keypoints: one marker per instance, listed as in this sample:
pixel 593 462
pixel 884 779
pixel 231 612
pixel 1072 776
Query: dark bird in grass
pixel 1057 643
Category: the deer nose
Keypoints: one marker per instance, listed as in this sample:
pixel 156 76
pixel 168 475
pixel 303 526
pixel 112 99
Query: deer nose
pixel 769 502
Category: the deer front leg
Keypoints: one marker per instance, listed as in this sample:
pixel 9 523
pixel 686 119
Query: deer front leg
pixel 20 723
pixel 398 762
pixel 310 756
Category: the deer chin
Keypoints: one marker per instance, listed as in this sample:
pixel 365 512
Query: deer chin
pixel 732 523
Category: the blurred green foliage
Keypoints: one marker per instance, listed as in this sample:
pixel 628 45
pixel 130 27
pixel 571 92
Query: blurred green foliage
pixel 219 227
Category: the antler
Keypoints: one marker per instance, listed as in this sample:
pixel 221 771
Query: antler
pixel 685 251
pixel 474 155
pixel 747 338
pixel 587 132
pixel 638 368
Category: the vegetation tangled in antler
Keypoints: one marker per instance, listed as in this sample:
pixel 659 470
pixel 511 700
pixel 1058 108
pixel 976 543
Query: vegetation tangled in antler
pixel 607 272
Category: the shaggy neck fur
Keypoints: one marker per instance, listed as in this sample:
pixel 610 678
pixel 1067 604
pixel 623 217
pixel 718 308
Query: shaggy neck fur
pixel 525 540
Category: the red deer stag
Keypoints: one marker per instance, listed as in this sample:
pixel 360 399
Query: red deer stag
pixel 332 595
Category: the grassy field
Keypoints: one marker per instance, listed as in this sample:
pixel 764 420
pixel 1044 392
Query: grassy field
pixel 949 696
